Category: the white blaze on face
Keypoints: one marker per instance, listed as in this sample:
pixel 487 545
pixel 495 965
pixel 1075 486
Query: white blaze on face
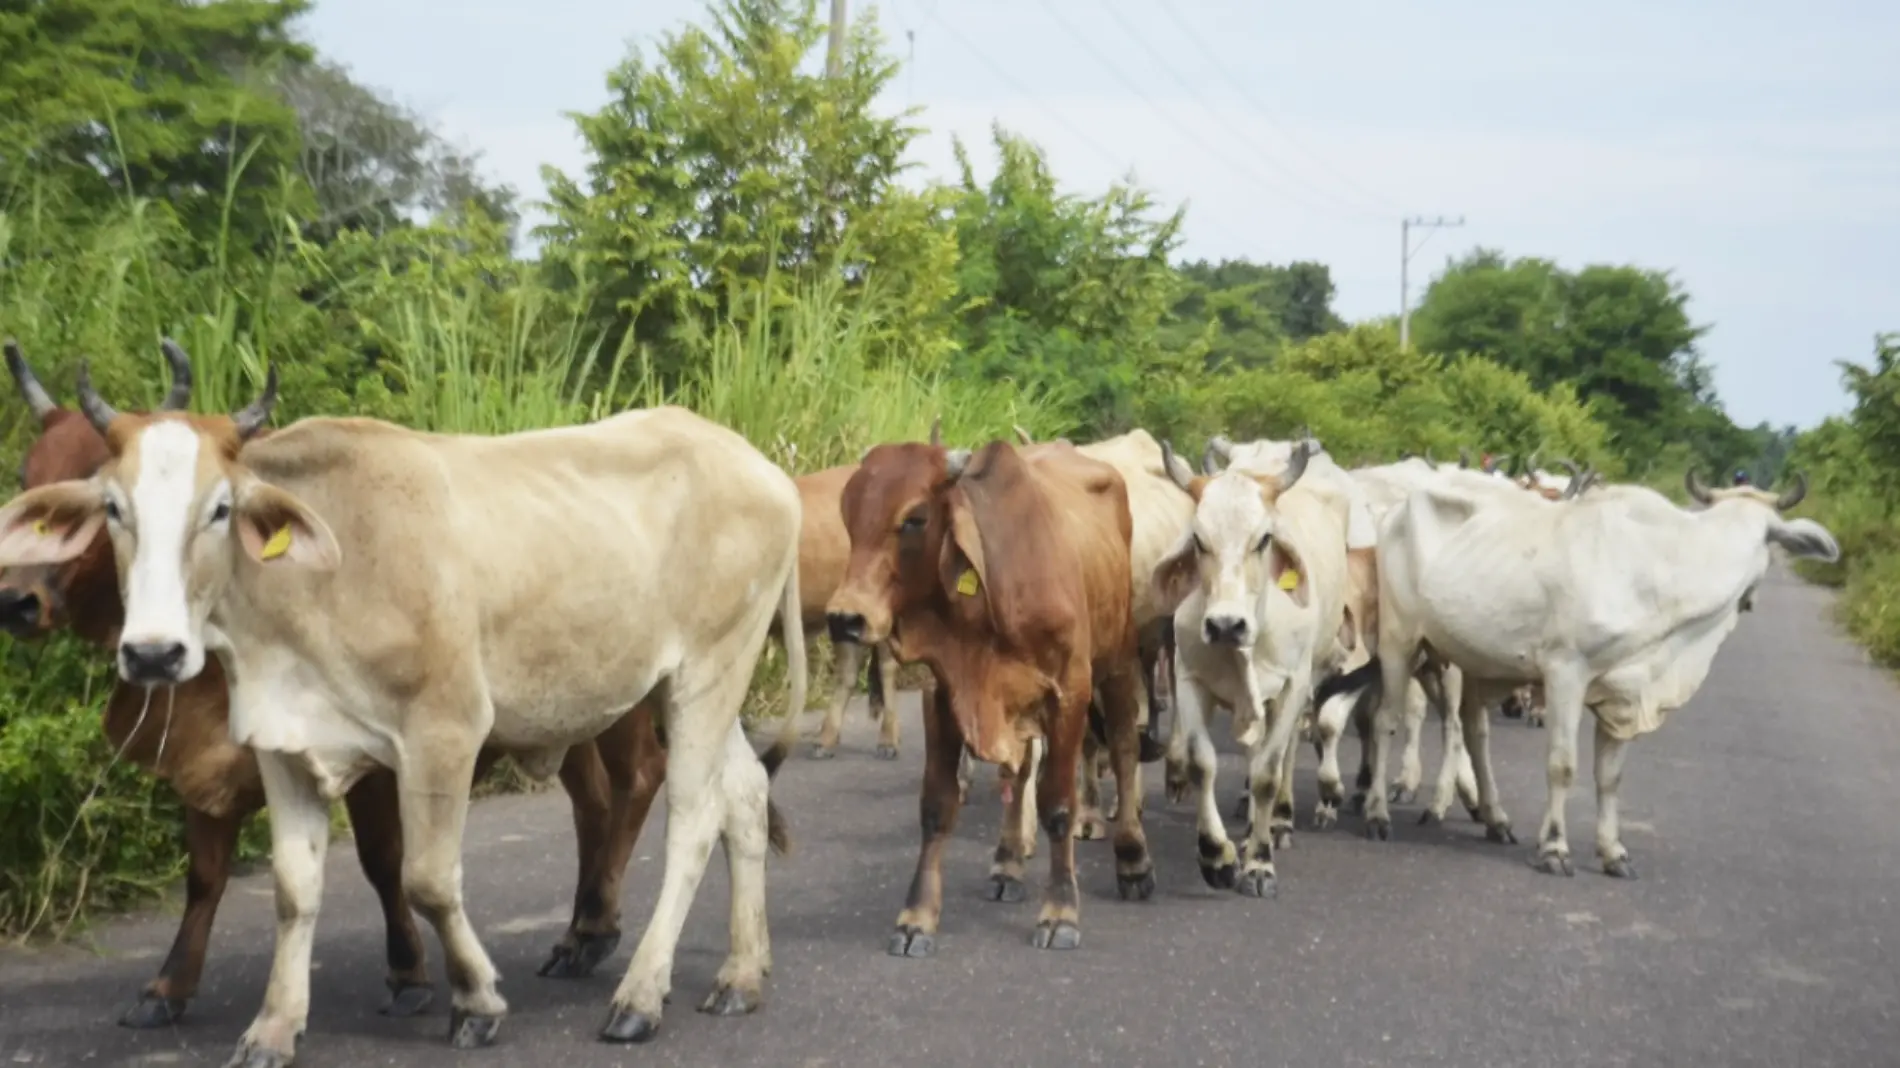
pixel 160 523
pixel 1230 522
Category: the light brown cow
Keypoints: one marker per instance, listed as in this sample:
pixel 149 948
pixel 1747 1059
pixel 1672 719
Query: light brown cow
pixel 382 596
pixel 1007 574
pixel 823 550
pixel 180 735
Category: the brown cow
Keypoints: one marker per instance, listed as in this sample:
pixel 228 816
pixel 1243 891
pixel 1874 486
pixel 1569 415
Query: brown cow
pixel 1007 574
pixel 181 737
pixel 823 551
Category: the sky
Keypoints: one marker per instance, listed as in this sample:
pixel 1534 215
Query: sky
pixel 1751 148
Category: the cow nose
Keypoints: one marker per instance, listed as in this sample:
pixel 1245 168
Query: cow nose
pixel 1224 630
pixel 845 626
pixel 150 662
pixel 19 611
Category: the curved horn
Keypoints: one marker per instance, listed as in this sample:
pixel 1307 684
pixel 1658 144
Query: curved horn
pixel 1405 454
pixel 98 412
pixel 1464 457
pixel 1697 491
pixel 1571 466
pixel 1295 466
pixel 1793 494
pixel 1177 468
pixel 179 399
pixel 255 414
pixel 1428 456
pixel 936 431
pixel 1579 481
pixel 1530 463
pixel 1221 445
pixel 36 396
pixel 1210 460
pixel 1022 435
pixel 954 462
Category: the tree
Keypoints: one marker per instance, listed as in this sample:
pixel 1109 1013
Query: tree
pixel 1258 308
pixel 105 99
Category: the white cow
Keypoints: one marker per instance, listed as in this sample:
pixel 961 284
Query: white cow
pixel 1260 581
pixel 379 595
pixel 1616 601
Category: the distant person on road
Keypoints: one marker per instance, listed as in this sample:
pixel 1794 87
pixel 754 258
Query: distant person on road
pixel 1741 477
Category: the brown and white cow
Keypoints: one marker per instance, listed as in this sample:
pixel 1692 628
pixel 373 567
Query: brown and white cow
pixel 181 737
pixel 823 550
pixel 381 596
pixel 1006 573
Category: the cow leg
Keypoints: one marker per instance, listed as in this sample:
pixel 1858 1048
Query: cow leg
pixel 1329 724
pixel 1411 768
pixel 611 783
pixel 1220 862
pixel 846 657
pixel 1017 838
pixel 1477 730
pixel 1609 776
pixel 1176 780
pixel 883 686
pixel 1089 822
pixel 1395 691
pixel 1271 781
pixel 701 715
pixel 1363 713
pixel 376 825
pixel 1059 925
pixel 1563 699
pixel 1134 869
pixel 937 807
pixel 210 842
pixel 1455 775
pixel 1533 706
pixel 300 835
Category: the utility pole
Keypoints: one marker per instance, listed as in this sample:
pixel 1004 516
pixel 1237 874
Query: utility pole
pixel 1405 259
pixel 834 48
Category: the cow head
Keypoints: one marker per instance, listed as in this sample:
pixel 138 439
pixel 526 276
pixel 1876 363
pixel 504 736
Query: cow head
pixel 83 590
pixel 182 514
pixel 896 518
pixel 1802 537
pixel 1230 552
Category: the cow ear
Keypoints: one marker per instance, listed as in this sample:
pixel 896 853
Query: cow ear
pixel 1177 574
pixel 961 565
pixel 51 524
pixel 276 528
pixel 1802 537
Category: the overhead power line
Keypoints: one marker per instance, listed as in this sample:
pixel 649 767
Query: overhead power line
pixel 1406 251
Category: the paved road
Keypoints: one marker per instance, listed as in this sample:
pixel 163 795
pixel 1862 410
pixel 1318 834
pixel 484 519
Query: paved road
pixel 1764 930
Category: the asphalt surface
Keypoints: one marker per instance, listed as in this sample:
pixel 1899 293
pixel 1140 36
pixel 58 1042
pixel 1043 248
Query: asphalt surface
pixel 1763 931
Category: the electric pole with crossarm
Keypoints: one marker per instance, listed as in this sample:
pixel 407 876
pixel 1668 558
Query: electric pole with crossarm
pixel 1405 259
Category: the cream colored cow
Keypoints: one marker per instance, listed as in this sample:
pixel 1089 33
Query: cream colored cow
pixel 379 595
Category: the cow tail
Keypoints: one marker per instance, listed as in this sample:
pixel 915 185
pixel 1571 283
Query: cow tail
pixel 1366 676
pixel 792 631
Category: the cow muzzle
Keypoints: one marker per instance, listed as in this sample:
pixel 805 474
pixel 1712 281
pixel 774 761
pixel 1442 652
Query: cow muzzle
pixel 21 612
pixel 1232 631
pixel 152 663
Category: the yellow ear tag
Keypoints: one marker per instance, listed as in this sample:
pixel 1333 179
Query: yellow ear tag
pixel 967 582
pixel 40 528
pixel 278 545
pixel 1289 580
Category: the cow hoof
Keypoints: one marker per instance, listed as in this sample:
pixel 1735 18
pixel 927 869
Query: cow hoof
pixel 1135 887
pixel 579 959
pixel 1429 817
pixel 150 1011
pixel 1258 883
pixel 1282 836
pixel 1553 864
pixel 468 1030
pixel 1151 749
pixel 887 752
pixel 1325 816
pixel 1476 814
pixel 249 1056
pixel 1401 795
pixel 1620 868
pixel 627 1025
pixel 407 999
pixel 1220 876
pixel 911 942
pixel 1006 888
pixel 1501 834
pixel 1090 827
pixel 728 1000
pixel 1379 829
pixel 1057 934
pixel 821 751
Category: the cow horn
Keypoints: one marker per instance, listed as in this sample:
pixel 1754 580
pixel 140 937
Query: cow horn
pixel 1428 456
pixel 1569 465
pixel 1464 457
pixel 1793 494
pixel 1210 460
pixel 1222 446
pixel 36 396
pixel 1530 464
pixel 1697 491
pixel 954 461
pixel 1405 454
pixel 1177 468
pixel 1022 435
pixel 1579 481
pixel 254 415
pixel 936 431
pixel 1295 466
pixel 179 399
pixel 98 412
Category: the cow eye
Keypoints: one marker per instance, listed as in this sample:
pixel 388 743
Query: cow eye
pixel 1265 540
pixel 222 512
pixel 911 524
pixel 112 510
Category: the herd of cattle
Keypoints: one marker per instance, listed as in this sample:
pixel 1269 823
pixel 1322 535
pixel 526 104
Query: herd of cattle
pixel 347 608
